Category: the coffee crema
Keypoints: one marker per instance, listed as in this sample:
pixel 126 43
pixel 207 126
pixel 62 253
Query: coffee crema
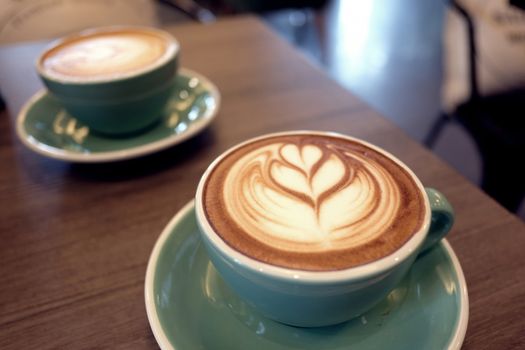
pixel 105 55
pixel 312 202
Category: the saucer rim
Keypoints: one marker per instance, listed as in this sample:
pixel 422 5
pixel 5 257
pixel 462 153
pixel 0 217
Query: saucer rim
pixel 455 341
pixel 134 152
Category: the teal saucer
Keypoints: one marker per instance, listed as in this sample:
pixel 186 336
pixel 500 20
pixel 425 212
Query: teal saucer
pixel 190 307
pixel 47 129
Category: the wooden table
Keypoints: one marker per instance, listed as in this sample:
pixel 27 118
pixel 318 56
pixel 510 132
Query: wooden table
pixel 75 239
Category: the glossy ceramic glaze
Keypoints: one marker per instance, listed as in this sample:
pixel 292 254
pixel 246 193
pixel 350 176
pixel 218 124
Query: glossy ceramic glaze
pixel 45 127
pixel 190 307
pixel 119 104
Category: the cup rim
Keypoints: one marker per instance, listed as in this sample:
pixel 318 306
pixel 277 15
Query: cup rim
pixel 305 276
pixel 171 51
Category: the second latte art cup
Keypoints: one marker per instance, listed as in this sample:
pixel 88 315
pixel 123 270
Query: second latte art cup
pixel 113 102
pixel 320 298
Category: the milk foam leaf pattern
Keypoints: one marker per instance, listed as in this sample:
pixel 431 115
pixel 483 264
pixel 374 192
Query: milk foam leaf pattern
pixel 310 196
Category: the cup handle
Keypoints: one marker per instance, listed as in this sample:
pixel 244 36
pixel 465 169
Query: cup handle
pixel 441 221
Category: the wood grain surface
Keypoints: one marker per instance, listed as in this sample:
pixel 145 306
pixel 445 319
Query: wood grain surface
pixel 75 239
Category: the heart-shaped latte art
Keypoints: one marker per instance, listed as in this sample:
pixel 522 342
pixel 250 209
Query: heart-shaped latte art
pixel 310 197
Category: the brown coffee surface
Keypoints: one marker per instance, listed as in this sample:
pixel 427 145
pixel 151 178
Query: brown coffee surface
pixel 312 202
pixel 104 55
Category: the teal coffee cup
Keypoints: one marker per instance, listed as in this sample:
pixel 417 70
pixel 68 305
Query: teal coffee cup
pixel 315 228
pixel 116 80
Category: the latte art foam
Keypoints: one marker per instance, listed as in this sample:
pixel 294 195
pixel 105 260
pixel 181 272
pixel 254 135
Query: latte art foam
pixel 312 202
pixel 310 198
pixel 104 55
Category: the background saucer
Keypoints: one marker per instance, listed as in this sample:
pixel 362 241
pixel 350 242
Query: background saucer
pixel 46 128
pixel 189 306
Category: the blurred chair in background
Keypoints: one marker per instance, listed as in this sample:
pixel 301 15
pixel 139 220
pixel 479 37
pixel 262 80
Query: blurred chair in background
pixel 484 90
